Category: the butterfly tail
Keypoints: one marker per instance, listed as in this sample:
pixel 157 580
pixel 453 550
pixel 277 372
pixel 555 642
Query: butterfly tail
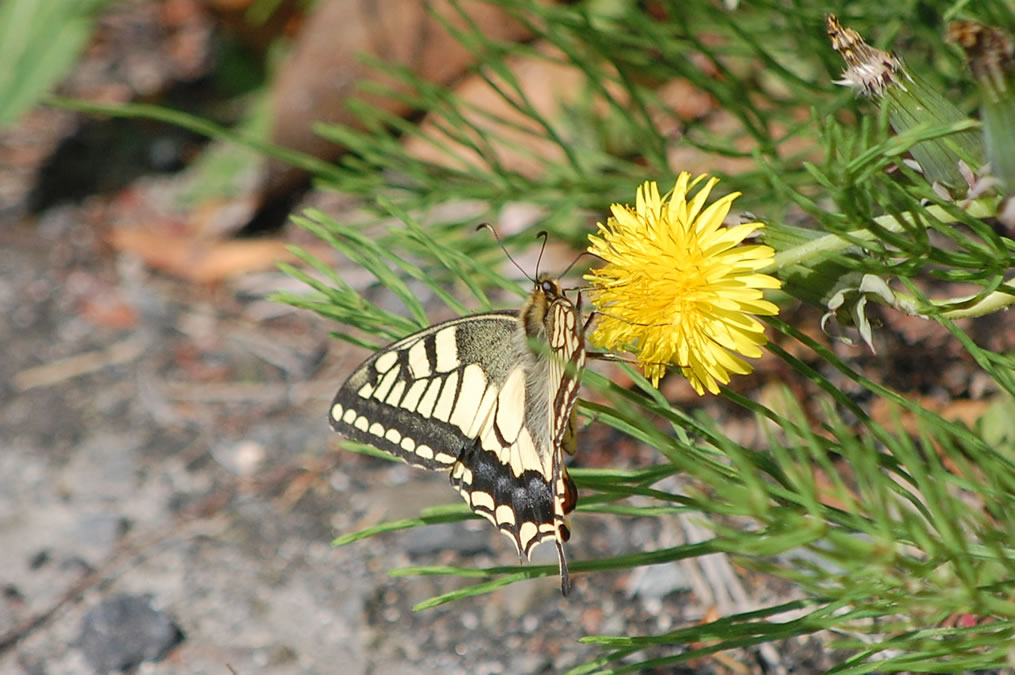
pixel 565 581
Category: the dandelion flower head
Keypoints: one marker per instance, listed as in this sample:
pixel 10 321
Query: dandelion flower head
pixel 678 287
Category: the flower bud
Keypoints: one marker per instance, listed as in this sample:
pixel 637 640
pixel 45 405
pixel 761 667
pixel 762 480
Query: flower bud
pixel 990 53
pixel 910 101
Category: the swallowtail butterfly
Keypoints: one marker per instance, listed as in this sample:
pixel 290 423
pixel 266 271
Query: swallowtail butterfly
pixel 489 398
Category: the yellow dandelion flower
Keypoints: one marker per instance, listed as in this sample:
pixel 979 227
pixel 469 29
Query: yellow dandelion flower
pixel 678 288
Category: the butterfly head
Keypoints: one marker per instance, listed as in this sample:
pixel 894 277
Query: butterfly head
pixel 538 313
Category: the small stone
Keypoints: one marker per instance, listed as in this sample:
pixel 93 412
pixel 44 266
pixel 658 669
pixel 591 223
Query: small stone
pixel 445 537
pixel 124 631
pixel 243 459
pixel 39 559
pixel 655 582
pixel 12 594
pixel 96 534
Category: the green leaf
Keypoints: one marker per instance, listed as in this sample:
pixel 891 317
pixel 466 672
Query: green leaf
pixel 39 42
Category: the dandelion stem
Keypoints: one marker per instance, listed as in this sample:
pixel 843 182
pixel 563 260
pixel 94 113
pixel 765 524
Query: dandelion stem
pixel 960 308
pixel 820 247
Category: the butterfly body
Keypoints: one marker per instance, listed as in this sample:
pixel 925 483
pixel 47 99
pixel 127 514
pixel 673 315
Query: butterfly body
pixel 489 398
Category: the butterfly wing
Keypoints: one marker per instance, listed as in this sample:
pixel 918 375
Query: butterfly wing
pixel 424 398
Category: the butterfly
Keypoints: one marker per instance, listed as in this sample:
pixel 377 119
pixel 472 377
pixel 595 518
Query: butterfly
pixel 490 398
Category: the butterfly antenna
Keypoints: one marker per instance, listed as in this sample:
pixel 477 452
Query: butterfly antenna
pixel 574 262
pixel 488 226
pixel 545 235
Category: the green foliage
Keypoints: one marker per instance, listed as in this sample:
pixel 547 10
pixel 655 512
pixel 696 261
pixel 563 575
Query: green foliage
pixel 38 44
pixel 889 532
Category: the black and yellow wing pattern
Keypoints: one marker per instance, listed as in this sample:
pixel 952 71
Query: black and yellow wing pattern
pixel 489 398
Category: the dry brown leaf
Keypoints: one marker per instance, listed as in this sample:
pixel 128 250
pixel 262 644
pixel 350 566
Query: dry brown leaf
pixel 551 85
pixel 109 310
pixel 886 413
pixel 200 260
pixel 285 19
pixel 546 84
pixel 325 67
pixel 965 411
pixel 685 101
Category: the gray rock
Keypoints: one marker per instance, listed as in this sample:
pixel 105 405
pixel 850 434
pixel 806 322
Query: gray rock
pixel 444 537
pixel 657 581
pixel 124 631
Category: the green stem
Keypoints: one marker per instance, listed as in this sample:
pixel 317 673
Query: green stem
pixel 818 248
pixel 992 302
pixel 953 308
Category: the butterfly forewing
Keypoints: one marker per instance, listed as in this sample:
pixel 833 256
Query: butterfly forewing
pixel 419 398
pixel 473 396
